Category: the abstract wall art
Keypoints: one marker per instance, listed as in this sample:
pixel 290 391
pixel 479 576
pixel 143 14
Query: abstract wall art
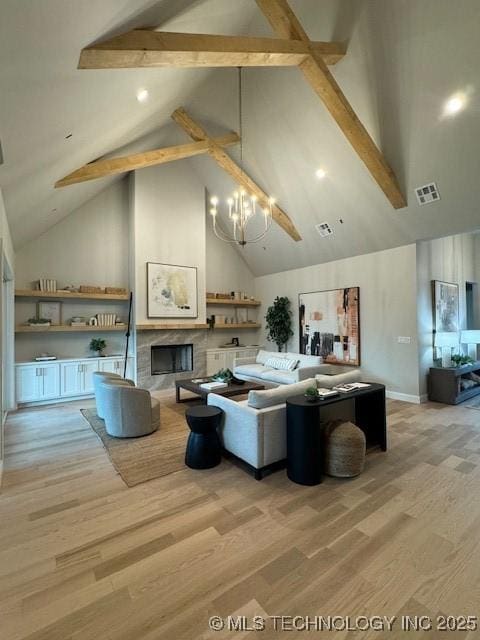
pixel 445 307
pixel 171 291
pixel 330 325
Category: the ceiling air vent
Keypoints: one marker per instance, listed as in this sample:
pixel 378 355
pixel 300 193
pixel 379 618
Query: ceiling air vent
pixel 428 193
pixel 324 229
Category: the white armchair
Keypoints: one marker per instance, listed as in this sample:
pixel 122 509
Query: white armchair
pixel 129 412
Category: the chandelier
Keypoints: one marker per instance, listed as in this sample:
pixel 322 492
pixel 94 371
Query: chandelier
pixel 243 207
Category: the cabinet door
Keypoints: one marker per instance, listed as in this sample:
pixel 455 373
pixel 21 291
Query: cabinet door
pixel 50 375
pixel 29 383
pixel 215 362
pixel 71 379
pixel 88 368
pixel 111 365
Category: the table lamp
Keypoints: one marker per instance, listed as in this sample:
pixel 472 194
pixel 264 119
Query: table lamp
pixel 471 337
pixel 445 341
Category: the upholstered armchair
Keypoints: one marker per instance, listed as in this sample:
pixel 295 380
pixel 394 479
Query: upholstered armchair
pixel 129 412
pixel 98 378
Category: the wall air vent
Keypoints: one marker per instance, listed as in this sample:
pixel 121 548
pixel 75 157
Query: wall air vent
pixel 324 229
pixel 428 193
pixel 1 153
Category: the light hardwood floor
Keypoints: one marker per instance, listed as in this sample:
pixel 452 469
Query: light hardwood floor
pixel 84 557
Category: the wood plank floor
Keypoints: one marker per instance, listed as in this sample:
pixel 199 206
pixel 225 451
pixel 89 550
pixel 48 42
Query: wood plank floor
pixel 84 557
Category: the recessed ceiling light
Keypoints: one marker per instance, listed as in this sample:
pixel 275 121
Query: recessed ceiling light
pixel 142 95
pixel 454 104
pixel 320 173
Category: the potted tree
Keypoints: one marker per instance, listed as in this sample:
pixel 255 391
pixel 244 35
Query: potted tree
pixel 98 345
pixel 279 322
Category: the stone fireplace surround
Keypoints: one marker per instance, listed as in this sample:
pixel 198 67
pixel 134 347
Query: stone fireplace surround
pixel 146 339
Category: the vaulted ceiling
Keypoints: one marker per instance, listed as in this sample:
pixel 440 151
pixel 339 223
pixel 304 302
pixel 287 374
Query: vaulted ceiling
pixel 405 58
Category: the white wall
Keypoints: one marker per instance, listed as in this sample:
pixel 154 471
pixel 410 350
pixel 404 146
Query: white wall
pixel 90 246
pixel 226 271
pixel 169 227
pixel 452 259
pixel 387 281
pixel 7 261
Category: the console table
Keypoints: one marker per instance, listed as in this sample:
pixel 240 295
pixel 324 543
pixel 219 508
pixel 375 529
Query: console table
pixel 304 432
pixel 444 383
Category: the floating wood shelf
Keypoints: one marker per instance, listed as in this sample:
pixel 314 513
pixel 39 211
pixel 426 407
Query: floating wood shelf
pixel 238 325
pixel 166 327
pixel 234 303
pixel 56 295
pixel 26 328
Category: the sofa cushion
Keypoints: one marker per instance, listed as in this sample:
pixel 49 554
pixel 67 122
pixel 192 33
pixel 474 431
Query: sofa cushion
pixel 305 361
pixel 272 397
pixel 263 356
pixel 327 382
pixel 255 370
pixel 282 364
pixel 280 377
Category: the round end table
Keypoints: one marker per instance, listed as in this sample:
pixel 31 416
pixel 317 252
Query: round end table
pixel 204 449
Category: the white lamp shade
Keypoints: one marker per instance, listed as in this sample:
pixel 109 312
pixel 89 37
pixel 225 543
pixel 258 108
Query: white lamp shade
pixel 446 339
pixel 472 336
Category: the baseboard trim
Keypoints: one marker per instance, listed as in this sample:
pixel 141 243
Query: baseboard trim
pixel 42 403
pixel 405 397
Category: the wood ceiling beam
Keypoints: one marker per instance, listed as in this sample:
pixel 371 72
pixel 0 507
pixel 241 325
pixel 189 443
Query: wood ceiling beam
pixel 146 48
pixel 113 166
pixel 286 25
pixel 194 130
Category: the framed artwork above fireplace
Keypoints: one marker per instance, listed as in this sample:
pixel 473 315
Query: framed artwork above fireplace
pixel 330 325
pixel 171 291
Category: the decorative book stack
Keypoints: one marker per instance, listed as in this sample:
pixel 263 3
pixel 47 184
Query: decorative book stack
pixel 47 284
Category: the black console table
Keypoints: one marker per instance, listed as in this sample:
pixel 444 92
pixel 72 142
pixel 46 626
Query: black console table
pixel 304 434
pixel 444 383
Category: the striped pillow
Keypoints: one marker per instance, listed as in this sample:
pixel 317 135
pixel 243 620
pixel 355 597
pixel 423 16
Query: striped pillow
pixel 283 364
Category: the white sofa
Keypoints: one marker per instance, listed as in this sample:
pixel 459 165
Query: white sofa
pixel 327 375
pixel 255 430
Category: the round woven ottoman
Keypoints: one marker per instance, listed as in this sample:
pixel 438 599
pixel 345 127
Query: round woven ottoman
pixel 344 450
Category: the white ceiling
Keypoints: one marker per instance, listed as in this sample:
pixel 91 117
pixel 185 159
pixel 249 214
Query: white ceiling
pixel 405 58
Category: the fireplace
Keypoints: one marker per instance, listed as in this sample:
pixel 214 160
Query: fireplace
pixel 172 358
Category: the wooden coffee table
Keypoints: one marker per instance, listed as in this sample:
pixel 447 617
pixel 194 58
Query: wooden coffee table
pixel 231 390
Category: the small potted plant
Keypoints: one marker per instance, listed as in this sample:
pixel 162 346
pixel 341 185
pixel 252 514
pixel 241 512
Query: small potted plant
pixel 98 345
pixel 224 375
pixel 39 322
pixel 311 394
pixel 459 360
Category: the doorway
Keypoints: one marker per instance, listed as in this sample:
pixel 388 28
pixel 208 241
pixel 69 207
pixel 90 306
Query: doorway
pixel 471 305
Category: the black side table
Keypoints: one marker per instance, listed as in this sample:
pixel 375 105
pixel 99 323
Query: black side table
pixel 204 449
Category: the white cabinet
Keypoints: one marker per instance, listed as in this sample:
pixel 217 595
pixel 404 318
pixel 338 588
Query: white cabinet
pixel 37 382
pixel 224 358
pixel 76 377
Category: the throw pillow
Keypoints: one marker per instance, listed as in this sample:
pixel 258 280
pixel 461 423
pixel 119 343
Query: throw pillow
pixel 282 364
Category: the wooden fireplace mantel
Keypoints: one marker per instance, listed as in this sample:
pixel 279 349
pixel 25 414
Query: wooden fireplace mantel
pixel 166 327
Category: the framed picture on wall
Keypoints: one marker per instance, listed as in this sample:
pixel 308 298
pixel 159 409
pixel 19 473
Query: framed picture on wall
pixel 171 291
pixel 50 310
pixel 330 325
pixel 445 307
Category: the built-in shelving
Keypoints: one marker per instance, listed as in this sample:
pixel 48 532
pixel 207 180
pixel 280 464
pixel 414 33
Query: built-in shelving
pixel 26 328
pixel 57 295
pixel 234 303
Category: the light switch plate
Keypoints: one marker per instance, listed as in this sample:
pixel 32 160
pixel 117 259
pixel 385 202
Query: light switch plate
pixel 404 339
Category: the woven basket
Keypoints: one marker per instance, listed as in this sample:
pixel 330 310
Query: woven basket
pixel 84 288
pixel 344 449
pixel 119 291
